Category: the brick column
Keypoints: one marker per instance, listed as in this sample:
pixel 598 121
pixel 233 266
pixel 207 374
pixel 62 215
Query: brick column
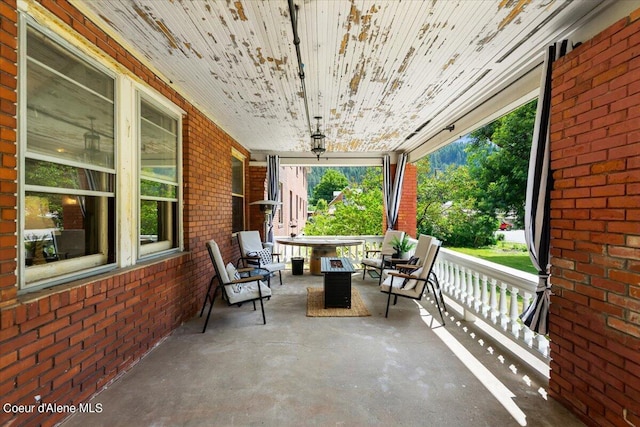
pixel 595 210
pixel 257 191
pixel 407 217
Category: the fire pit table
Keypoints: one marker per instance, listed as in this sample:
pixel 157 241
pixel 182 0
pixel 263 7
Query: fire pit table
pixel 320 247
pixel 337 281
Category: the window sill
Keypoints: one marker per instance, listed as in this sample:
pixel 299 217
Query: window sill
pixel 28 296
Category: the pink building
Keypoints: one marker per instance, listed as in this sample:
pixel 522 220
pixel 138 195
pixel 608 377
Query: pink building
pixel 292 215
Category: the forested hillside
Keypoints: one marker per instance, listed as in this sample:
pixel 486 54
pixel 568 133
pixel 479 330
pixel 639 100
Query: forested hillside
pixel 353 173
pixel 452 154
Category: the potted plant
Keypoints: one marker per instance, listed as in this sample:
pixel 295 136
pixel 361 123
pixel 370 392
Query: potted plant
pixel 402 246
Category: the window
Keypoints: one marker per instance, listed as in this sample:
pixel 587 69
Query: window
pixel 290 205
pixel 67 198
pixel 159 186
pixel 237 191
pixel 77 169
pixel 280 207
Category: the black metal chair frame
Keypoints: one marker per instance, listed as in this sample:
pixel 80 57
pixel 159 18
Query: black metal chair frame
pixel 256 262
pixel 385 261
pixel 221 287
pixel 429 279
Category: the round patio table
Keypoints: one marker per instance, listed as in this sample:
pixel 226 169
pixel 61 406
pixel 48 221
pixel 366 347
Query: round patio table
pixel 319 248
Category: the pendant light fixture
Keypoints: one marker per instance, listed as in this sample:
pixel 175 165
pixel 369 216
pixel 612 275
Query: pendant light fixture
pixel 317 140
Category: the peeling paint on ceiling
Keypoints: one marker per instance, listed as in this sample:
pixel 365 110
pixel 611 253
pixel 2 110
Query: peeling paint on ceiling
pixel 374 70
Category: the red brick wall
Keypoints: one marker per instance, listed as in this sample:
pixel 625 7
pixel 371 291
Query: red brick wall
pixel 407 217
pixel 257 191
pixel 8 174
pixel 67 342
pixel 595 151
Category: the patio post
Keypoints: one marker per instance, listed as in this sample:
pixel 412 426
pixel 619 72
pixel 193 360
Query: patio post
pixel 257 191
pixel 407 216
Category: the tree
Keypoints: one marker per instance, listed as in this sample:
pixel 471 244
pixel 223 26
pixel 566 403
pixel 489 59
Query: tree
pixel 446 207
pixel 359 212
pixel 331 181
pixel 499 162
pixel 451 154
pixel 354 174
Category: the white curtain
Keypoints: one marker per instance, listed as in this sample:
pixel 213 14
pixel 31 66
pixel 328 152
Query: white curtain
pixel 392 190
pixel 273 190
pixel 539 184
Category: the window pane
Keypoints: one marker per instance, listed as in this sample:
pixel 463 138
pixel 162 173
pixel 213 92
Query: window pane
pixel 54 56
pixel 69 116
pixel 158 222
pixel 61 176
pixel 157 189
pixel 237 176
pixel 159 144
pixel 237 213
pixel 69 112
pixel 59 227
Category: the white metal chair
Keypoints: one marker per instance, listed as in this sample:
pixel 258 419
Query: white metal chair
pixel 378 262
pixel 235 289
pixel 253 253
pixel 414 284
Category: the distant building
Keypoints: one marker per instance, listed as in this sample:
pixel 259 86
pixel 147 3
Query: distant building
pixel 292 215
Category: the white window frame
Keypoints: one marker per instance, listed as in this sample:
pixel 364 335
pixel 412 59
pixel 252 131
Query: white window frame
pixel 238 155
pixel 160 103
pixel 127 90
pixel 37 277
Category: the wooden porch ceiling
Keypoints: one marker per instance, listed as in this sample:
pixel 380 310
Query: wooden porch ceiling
pixel 386 76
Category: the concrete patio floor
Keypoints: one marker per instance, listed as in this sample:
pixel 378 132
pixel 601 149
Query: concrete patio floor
pixel 404 370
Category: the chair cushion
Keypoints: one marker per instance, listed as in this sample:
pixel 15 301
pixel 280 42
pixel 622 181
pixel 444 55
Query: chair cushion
pixel 274 266
pixel 372 262
pixel 409 284
pixel 402 288
pixel 264 254
pixel 247 291
pixel 233 274
pixel 249 242
pixel 412 293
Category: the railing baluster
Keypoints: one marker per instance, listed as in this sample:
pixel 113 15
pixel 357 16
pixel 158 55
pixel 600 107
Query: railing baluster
pixel 493 301
pixel 504 315
pixel 543 344
pixel 458 288
pixel 463 285
pixel 477 296
pixel 446 277
pixel 513 313
pixel 470 293
pixel 444 271
pixel 485 296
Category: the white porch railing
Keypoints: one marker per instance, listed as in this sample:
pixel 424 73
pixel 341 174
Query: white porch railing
pixel 356 253
pixel 491 291
pixel 496 293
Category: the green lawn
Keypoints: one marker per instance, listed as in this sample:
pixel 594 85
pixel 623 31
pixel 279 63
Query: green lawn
pixel 510 254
